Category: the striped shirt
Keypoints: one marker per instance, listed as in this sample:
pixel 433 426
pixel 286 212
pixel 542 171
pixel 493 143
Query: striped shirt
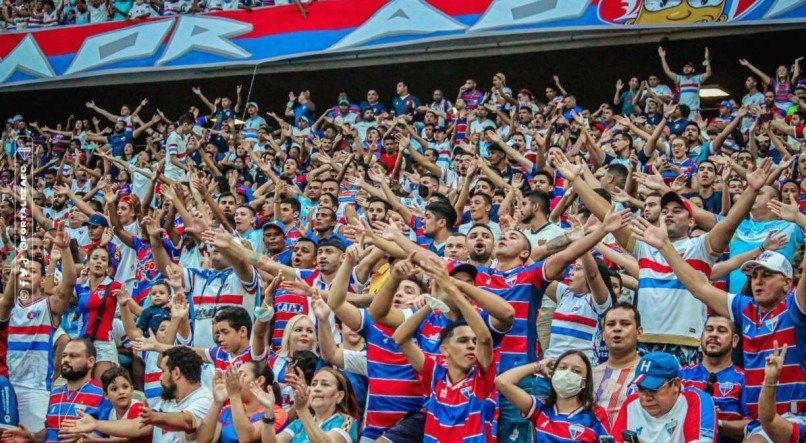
pixel 611 387
pixel 672 315
pixel 457 411
pixel 575 323
pixel 689 88
pixel 30 345
pixel 89 304
pixel 394 389
pixel 211 290
pixel 551 426
pixel 759 330
pixel 64 406
pixel 222 359
pixel 727 391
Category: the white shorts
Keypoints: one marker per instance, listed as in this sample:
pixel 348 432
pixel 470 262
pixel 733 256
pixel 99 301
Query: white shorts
pixel 32 405
pixel 106 351
pixel 759 431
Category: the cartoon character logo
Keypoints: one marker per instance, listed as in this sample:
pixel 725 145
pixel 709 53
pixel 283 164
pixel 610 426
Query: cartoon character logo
pixel 673 12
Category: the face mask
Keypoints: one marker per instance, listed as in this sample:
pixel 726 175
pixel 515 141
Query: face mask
pixel 423 191
pixel 566 383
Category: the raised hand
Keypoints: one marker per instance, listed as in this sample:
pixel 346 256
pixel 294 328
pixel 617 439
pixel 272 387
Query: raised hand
pixel 122 296
pixel 568 170
pixel 614 220
pixel 774 363
pixel 220 393
pixel 788 212
pixel 619 84
pixel 773 242
pixel 758 178
pixel 220 239
pixel 233 381
pixel 661 52
pixel 743 62
pixel 320 307
pixel 297 286
pixel 652 235
pixel 403 269
pixel 180 308
pixel 265 398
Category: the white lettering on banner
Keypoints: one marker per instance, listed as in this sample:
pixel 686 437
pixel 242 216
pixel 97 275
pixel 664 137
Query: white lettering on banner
pixel 124 44
pixel 27 58
pixel 507 13
pixel 206 35
pixel 782 6
pixel 400 17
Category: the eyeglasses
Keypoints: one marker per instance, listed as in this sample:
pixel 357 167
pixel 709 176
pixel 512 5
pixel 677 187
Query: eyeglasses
pixel 709 387
pixel 653 391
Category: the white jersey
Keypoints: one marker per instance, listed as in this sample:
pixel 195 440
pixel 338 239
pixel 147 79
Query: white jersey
pixel 30 345
pixel 211 290
pixel 128 256
pixel 669 313
pixel 176 147
pixel 575 323
pixel 197 403
pixel 141 10
pixel 99 14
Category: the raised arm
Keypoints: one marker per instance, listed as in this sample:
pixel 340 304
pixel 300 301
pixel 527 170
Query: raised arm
pixel 764 77
pixel 693 280
pixel 403 338
pixel 719 237
pixel 198 92
pixel 331 352
pixel 381 309
pixel 109 116
pixel 223 244
pixel 666 70
pixel 337 296
pixel 60 301
pixel 649 146
pixel 776 427
pixel 507 384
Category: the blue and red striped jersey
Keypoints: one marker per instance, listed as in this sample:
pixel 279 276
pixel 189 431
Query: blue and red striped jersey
pixel 581 425
pixel 457 411
pixel 727 391
pixel 759 330
pixel 64 406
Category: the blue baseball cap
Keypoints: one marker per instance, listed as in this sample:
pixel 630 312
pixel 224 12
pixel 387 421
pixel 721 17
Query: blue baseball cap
pixel 726 103
pixel 655 369
pixel 273 224
pixel 98 220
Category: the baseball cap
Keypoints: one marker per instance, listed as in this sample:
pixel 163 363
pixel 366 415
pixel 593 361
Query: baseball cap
pixel 465 267
pixel 334 242
pixel 344 102
pixel 774 261
pixel 655 369
pixel 672 196
pixel 98 220
pixel 273 224
pixel 252 104
pixel 66 170
pixel 726 103
pixel 690 63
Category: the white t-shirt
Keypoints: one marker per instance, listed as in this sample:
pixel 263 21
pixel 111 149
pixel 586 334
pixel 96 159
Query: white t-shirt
pixel 175 146
pixel 196 404
pixel 99 14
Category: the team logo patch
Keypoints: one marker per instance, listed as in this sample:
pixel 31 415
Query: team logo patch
pixel 671 426
pixel 771 323
pixel 726 388
pixel 575 431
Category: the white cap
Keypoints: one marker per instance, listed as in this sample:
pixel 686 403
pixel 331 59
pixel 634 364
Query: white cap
pixel 771 260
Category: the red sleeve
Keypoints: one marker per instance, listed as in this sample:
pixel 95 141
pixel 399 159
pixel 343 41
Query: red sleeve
pixel 485 382
pixel 134 410
pixel 426 377
pixel 620 424
pixel 601 414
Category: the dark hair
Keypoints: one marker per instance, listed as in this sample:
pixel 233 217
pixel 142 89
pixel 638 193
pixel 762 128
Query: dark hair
pixel 295 206
pixel 487 199
pixel 443 211
pixel 236 316
pixel 185 118
pixel 251 209
pixel 585 396
pixel 546 174
pixel 541 199
pixel 447 332
pixel 732 324
pixel 626 306
pixel 111 374
pixel 480 226
pixel 620 172
pixel 386 205
pixel 348 405
pixel 225 194
pixel 306 361
pixel 88 345
pixel 187 360
pixel 259 368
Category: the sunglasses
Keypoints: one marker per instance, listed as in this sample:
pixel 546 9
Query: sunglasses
pixel 709 387
pixel 653 391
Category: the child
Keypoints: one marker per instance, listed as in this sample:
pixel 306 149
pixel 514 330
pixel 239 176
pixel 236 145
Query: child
pixel 151 317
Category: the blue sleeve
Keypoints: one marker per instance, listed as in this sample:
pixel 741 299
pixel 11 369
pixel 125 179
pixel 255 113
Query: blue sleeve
pixel 9 414
pixel 737 307
pixel 493 212
pixel 799 320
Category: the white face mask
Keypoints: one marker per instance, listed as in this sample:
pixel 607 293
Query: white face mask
pixel 567 384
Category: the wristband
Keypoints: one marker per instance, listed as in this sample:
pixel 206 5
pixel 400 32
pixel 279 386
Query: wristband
pixel 762 248
pixel 268 420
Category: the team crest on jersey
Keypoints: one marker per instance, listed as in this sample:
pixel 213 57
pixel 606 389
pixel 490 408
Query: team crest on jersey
pixel 511 279
pixel 466 392
pixel 443 393
pixel 671 426
pixel 34 314
pixel 771 323
pixel 726 388
pixel 575 430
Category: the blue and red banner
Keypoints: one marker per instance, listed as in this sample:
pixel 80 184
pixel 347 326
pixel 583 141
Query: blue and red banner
pixel 243 38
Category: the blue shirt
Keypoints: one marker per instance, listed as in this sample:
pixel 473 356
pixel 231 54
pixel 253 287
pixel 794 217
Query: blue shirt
pixel 750 234
pixel 335 422
pixel 228 434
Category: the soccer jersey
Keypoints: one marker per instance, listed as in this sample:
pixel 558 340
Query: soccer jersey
pixel 552 426
pixel 65 404
pixel 611 388
pixel 211 290
pixel 523 288
pixel 93 303
pixel 30 345
pixel 671 314
pixel 393 389
pixel 689 88
pixel 692 418
pixel 759 330
pixel 176 148
pixel 575 323
pixel 456 411
pixel 727 391
pixel 222 359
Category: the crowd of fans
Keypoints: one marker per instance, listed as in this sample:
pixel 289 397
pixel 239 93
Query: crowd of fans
pixel 32 14
pixel 492 264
